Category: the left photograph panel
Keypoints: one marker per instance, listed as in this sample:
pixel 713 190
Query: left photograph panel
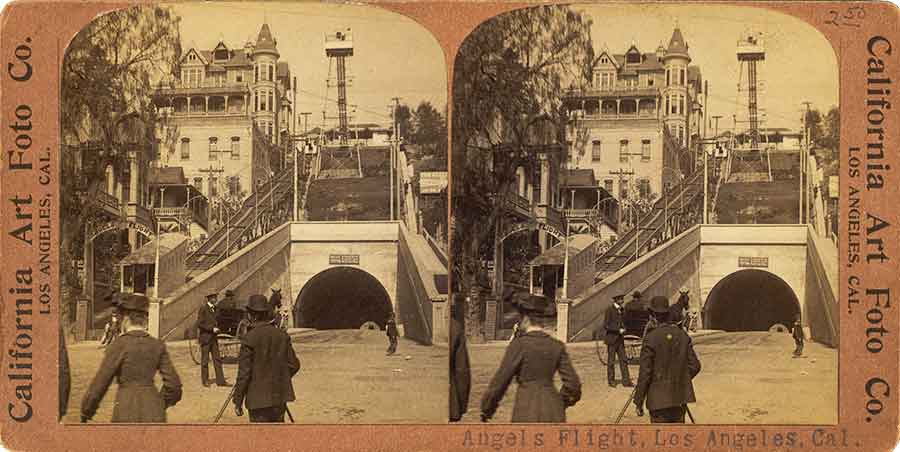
pixel 254 217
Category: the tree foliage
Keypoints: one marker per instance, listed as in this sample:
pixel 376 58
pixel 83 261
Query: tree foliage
pixel 508 81
pixel 430 132
pixel 106 103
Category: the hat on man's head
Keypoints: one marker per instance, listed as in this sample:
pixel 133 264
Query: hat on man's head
pixel 659 304
pixel 134 302
pixel 258 303
pixel 636 294
pixel 538 305
pixel 212 296
pixel 229 293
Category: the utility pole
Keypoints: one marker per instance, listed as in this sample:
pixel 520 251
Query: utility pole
pixel 305 115
pixel 706 173
pixel 705 114
pixel 804 150
pixel 395 142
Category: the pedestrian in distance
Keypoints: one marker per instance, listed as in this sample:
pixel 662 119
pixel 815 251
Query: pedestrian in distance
pixel 133 360
pixel 209 342
pixel 266 365
pixel 676 311
pixel 533 359
pixel 614 325
pixel 390 329
pixel 668 364
pixel 797 332
pixel 111 330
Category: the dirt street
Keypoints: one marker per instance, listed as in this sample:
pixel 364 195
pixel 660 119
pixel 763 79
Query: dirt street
pixel 746 378
pixel 345 377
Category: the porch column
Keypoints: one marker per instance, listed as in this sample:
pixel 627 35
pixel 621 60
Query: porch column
pixel 545 180
pixel 618 106
pixel 226 103
pixel 562 320
pixel 206 105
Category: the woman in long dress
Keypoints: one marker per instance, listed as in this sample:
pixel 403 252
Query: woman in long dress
pixel 533 359
pixel 133 360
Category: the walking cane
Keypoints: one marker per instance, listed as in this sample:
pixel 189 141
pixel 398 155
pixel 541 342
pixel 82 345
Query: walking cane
pixel 690 416
pixel 625 407
pixel 222 410
pixel 291 417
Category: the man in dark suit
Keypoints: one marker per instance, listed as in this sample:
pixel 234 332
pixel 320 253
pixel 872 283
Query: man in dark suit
pixel 266 365
pixel 676 311
pixel 668 364
pixel 391 331
pixel 614 324
pixel 209 344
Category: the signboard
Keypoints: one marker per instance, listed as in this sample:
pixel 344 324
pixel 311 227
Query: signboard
pixel 432 182
pixel 758 262
pixel 117 225
pixel 343 259
pixel 531 226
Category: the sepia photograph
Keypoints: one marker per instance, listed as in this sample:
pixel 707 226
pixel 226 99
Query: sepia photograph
pixel 253 216
pixel 644 217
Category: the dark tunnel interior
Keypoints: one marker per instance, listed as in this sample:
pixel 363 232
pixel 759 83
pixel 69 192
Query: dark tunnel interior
pixel 750 300
pixel 341 298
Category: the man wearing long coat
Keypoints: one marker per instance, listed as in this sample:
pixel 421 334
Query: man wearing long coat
pixel 266 365
pixel 668 364
pixel 614 326
pixel 209 343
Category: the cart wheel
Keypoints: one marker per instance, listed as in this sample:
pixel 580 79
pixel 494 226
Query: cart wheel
pixel 601 351
pixel 194 345
pixel 633 349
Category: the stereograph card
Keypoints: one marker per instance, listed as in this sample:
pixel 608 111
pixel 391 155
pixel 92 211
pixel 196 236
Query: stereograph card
pixel 450 225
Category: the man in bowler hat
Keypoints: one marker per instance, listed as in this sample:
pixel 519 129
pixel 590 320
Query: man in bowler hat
pixel 266 365
pixel 668 364
pixel 209 343
pixel 614 324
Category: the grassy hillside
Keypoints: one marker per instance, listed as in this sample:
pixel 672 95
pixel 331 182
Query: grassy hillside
pixel 758 202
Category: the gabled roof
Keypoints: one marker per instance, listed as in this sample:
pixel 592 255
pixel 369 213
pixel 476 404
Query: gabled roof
pixel 146 255
pixel 204 56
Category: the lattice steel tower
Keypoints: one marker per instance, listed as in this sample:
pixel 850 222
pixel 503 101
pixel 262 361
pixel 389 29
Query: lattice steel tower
pixel 749 51
pixel 338 47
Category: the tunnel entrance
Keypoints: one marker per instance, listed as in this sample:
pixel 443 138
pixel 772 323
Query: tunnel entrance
pixel 750 300
pixel 341 298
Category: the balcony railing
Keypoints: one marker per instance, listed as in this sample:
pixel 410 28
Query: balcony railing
pixel 182 215
pixel 108 202
pixel 139 213
pixel 580 213
pixel 550 214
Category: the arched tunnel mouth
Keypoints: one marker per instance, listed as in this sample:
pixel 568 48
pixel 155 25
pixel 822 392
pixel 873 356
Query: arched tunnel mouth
pixel 342 298
pixel 750 300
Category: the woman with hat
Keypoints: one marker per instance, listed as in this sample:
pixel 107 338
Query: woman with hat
pixel 533 359
pixel 134 359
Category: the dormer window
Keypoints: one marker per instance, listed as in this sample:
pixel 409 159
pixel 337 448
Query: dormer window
pixel 633 58
pixel 221 54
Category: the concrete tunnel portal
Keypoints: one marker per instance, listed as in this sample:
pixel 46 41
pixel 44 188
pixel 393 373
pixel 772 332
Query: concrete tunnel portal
pixel 750 300
pixel 342 298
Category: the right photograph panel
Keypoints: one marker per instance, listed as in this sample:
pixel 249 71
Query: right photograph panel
pixel 644 214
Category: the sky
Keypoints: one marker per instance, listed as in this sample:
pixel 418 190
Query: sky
pixel 393 56
pixel 800 64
